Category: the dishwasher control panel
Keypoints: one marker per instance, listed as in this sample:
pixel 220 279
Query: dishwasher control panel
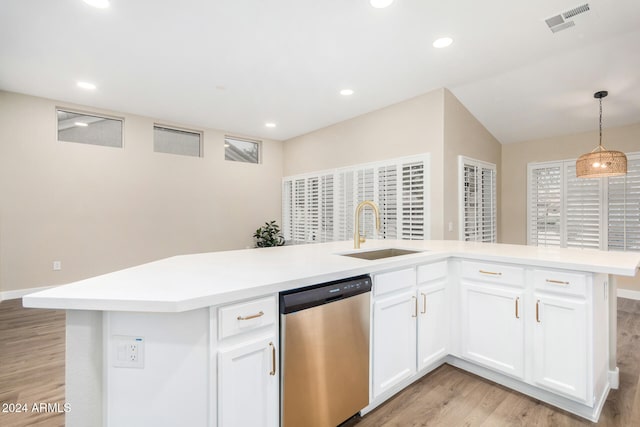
pixel 311 296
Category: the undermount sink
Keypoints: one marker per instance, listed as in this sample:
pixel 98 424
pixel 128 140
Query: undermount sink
pixel 381 253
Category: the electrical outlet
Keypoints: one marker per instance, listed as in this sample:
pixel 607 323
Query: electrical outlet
pixel 128 352
pixel 57 265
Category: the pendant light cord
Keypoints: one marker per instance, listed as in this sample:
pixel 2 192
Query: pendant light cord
pixel 600 125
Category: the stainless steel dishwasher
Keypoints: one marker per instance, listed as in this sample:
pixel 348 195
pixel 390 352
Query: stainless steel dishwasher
pixel 325 352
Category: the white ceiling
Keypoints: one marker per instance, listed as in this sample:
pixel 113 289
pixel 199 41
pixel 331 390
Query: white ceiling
pixel 236 64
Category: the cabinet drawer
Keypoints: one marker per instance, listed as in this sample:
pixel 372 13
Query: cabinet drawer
pixel 243 317
pixel 427 273
pixel 496 273
pixel 560 282
pixel 385 283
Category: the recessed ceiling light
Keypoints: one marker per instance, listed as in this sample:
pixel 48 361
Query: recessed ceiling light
pixel 270 125
pixel 346 92
pixel 81 124
pixel 442 42
pixel 86 85
pixel 380 4
pixel 100 4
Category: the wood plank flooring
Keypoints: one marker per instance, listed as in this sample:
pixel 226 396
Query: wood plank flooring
pixel 32 349
pixel 32 371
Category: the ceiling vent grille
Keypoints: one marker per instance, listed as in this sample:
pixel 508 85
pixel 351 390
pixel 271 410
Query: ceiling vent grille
pixel 576 11
pixel 560 22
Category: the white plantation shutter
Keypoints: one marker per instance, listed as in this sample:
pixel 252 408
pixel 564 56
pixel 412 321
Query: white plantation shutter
pixel 470 205
pixel 365 191
pixel 489 224
pixel 582 209
pixel 477 202
pixel 413 201
pixel 308 209
pixel 327 203
pixel 624 208
pixel 287 209
pixel 346 205
pixel 312 210
pixel 298 232
pixel 319 207
pixel 567 211
pixel 544 204
pixel 388 201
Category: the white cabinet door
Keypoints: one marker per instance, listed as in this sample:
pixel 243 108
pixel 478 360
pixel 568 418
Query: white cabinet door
pixel 433 323
pixel 394 339
pixel 493 327
pixel 560 345
pixel 248 384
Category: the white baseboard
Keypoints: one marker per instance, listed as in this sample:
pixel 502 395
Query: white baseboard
pixel 19 293
pixel 628 293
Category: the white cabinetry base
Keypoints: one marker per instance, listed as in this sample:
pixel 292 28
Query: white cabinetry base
pixel 568 405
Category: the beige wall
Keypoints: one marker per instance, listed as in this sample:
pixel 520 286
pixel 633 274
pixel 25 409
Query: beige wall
pixel 435 122
pixel 515 158
pixel 464 135
pixel 99 209
pixel 410 127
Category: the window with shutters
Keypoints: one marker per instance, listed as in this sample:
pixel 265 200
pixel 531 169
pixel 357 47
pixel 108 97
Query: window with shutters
pixel 477 200
pixel 544 204
pixel 308 214
pixel 566 211
pixel 319 207
pixel 582 209
pixel 623 201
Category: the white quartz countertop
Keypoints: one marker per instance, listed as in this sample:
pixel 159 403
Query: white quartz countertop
pixel 189 282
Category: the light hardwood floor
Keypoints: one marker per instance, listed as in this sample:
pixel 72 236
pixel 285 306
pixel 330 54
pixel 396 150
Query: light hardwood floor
pixel 32 371
pixel 31 363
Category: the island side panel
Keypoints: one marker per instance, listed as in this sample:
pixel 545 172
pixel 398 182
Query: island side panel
pixel 172 388
pixel 614 372
pixel 84 368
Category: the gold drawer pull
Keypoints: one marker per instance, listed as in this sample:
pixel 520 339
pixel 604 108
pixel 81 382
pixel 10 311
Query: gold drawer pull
pixel 493 273
pixel 517 300
pixel 273 359
pixel 538 311
pixel 557 282
pixel 424 303
pixel 415 309
pixel 253 316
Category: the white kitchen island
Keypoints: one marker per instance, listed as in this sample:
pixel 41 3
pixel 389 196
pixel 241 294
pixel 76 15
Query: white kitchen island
pixel 193 339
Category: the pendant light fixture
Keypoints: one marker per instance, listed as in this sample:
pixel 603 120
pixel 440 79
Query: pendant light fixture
pixel 601 162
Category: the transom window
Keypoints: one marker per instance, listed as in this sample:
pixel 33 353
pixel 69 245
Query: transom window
pixel 89 128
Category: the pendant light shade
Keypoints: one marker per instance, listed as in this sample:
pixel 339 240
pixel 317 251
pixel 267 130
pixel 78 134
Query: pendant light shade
pixel 601 162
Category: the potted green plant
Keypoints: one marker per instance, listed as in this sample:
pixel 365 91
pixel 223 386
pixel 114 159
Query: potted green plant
pixel 268 235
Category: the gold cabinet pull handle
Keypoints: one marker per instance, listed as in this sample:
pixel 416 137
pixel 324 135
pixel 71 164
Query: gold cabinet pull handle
pixel 538 311
pixel 557 282
pixel 273 359
pixel 424 303
pixel 517 301
pixel 493 273
pixel 253 316
pixel 415 310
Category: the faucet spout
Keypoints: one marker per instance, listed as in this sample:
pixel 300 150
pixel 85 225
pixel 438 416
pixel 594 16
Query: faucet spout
pixel 357 239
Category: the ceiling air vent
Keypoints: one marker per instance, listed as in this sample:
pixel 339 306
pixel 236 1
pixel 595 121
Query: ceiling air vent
pixel 576 11
pixel 560 22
